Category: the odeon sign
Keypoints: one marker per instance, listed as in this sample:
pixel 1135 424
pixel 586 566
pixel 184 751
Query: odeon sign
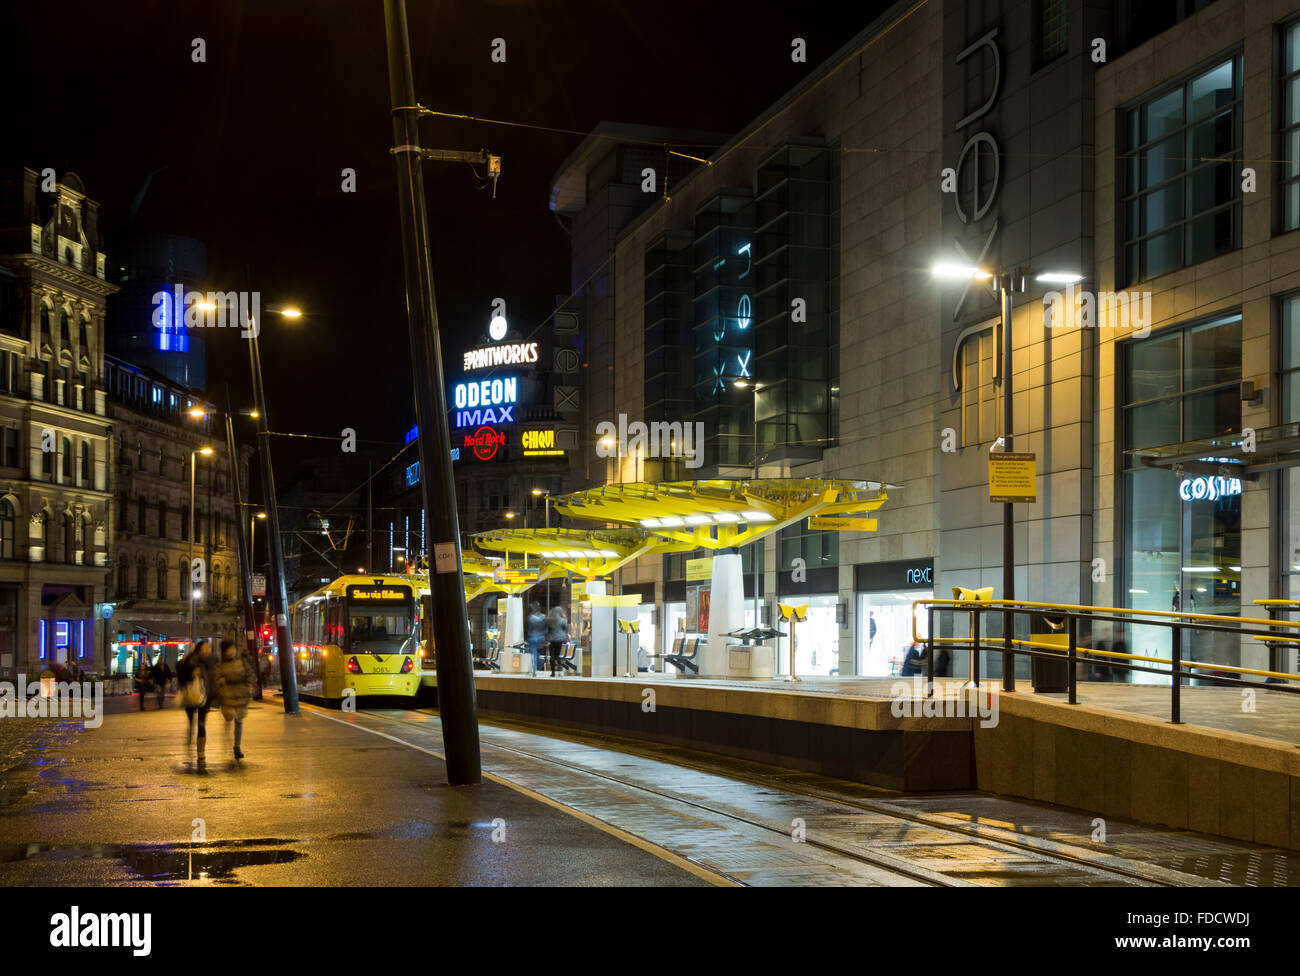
pixel 496 396
pixel 1208 489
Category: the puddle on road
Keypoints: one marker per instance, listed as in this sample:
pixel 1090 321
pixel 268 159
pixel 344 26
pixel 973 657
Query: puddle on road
pixel 163 864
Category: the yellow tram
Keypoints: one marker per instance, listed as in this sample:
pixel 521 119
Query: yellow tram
pixel 360 632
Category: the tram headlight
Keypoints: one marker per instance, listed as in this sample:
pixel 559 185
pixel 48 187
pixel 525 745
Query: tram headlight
pixel 353 666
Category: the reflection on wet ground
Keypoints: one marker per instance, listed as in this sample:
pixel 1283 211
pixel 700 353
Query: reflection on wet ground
pixel 166 864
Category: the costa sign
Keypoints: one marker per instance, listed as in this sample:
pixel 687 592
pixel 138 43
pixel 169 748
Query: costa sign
pixel 1208 489
pixel 485 442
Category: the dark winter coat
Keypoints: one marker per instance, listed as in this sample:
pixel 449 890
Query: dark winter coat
pixel 207 670
pixel 234 683
pixel 557 627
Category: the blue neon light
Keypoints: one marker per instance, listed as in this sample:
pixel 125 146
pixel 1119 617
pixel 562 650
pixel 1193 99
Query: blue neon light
pixel 81 638
pixel 412 434
pixel 413 474
pixel 43 623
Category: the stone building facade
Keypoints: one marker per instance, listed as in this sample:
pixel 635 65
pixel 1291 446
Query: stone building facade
pixel 55 517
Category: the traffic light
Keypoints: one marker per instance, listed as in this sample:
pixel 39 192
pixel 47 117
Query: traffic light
pixel 266 634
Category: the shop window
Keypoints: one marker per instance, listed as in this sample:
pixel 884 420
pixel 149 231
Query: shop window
pixel 1182 530
pixel 1181 175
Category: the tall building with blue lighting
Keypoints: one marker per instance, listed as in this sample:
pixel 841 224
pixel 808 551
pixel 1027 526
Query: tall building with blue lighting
pixel 159 266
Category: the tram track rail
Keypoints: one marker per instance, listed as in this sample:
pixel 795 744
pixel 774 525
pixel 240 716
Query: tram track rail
pixel 1097 868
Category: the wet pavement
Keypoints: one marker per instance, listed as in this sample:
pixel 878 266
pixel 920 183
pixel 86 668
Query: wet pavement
pixel 331 798
pixel 313 803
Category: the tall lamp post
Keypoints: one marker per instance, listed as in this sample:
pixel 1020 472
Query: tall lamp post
pixel 1006 282
pixel 278 593
pixel 205 451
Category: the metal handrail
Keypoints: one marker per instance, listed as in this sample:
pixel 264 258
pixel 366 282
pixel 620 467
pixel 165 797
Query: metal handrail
pixel 1174 667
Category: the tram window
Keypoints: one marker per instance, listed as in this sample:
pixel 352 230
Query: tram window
pixel 387 629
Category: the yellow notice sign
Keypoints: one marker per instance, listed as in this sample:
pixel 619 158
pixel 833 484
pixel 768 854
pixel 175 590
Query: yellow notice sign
pixel 699 569
pixel 1013 478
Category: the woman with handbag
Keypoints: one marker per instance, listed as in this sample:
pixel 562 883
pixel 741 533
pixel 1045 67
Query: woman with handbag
pixel 197 675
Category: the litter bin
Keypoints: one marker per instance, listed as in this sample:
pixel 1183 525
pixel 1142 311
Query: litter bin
pixel 1050 674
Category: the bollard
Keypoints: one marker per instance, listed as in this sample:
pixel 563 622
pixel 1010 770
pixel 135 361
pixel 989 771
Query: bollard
pixel 1176 704
pixel 1073 660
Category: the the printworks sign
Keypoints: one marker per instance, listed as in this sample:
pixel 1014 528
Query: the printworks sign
pixel 1012 478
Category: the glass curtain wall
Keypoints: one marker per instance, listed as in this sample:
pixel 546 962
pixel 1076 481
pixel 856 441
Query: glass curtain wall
pixel 1182 534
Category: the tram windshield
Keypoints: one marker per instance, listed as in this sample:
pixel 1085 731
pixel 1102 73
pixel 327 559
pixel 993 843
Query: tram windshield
pixel 380 631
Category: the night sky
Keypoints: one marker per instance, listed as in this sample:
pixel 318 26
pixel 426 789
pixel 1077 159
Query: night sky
pixel 252 144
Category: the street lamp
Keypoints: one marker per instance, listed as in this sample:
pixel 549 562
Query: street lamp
pixel 205 451
pixel 1006 283
pixel 278 595
pixel 759 552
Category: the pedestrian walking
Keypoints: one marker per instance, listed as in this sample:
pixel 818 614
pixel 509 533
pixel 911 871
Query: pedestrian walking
pixel 197 675
pixel 536 632
pixel 142 678
pixel 159 679
pixel 234 689
pixel 557 633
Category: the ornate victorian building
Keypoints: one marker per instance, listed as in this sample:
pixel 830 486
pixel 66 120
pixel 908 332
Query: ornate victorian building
pixel 55 516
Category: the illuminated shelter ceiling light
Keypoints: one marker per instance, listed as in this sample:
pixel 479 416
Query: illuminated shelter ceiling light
pixel 672 521
pixel 726 517
pixel 651 523
pixel 757 516
pixel 698 519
